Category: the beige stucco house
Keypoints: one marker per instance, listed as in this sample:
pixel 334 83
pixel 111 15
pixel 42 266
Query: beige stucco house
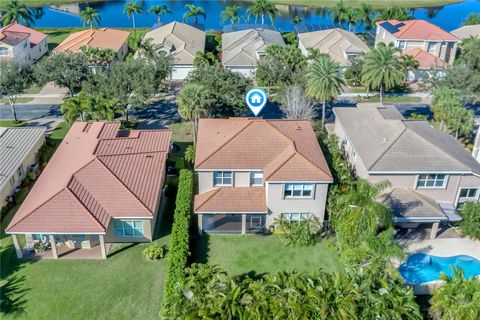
pixel 341 45
pixel 180 42
pixel 431 174
pixel 18 151
pixel 103 185
pixel 252 171
pixel 22 44
pixel 241 50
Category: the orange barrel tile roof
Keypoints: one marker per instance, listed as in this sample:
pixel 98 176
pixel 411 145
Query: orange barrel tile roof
pixel 104 38
pixel 416 30
pixel 97 173
pixel 35 36
pixel 425 59
pixel 229 199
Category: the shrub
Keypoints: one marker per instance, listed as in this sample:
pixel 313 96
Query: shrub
pixel 155 252
pixel 32 175
pixel 299 233
pixel 179 244
pixel 470 224
pixel 21 195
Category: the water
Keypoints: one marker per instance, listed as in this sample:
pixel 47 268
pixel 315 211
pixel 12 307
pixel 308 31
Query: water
pixel 448 17
pixel 422 268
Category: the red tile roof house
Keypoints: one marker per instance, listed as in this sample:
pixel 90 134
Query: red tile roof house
pixel 251 171
pixel 101 186
pixel 433 47
pixel 22 44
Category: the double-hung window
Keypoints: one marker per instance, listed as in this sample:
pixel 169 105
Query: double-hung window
pixel 222 178
pixel 431 181
pixel 469 193
pixel 256 178
pixel 431 46
pixel 295 217
pixel 298 190
pixel 128 228
pixel 402 44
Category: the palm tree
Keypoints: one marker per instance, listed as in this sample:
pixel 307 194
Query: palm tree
pixel 130 9
pixel 324 81
pixel 382 69
pixel 457 298
pixel 351 18
pixel 192 102
pixel 230 13
pixel 409 62
pixel 76 107
pixel 194 11
pixel 104 109
pixel 338 13
pixel 394 13
pixel 16 12
pixel 90 16
pixel 296 20
pixel 472 19
pixel 260 8
pixel 204 59
pixel 159 11
pixel 365 13
pixel 149 48
pixel 189 155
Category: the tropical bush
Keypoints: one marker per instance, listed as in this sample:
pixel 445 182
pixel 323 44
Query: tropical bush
pixel 179 244
pixel 470 224
pixel 298 233
pixel 21 195
pixel 209 293
pixel 155 252
pixel 32 175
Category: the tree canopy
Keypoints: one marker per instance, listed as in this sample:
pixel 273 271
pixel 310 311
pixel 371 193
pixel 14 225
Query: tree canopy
pixel 15 78
pixel 14 11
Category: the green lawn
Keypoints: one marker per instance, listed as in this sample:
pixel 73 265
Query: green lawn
pixel 19 100
pixel 11 123
pixel 374 3
pixel 239 254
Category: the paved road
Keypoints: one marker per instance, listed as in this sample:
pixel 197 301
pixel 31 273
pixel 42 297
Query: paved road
pixel 31 111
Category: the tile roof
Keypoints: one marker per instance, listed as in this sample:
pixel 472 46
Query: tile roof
pixel 287 150
pixel 334 42
pixel 103 38
pixel 425 59
pixel 180 39
pixel 94 176
pixel 35 36
pixel 416 30
pixel 467 31
pixel 399 145
pixel 246 199
pixel 12 38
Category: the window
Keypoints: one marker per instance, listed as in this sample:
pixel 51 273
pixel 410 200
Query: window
pixel 402 44
pixel 20 171
pixel 431 46
pixel 78 237
pixel 431 181
pixel 256 178
pixel 3 51
pixel 25 44
pixel 298 190
pixel 469 193
pixel 294 217
pixel 128 228
pixel 222 178
pixel 29 56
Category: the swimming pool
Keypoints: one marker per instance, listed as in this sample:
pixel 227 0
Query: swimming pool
pixel 422 267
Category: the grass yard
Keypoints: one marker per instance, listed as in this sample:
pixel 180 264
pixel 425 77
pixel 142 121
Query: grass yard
pixel 239 254
pixel 12 123
pixel 374 3
pixel 19 100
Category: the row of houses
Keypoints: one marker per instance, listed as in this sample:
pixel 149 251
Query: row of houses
pixel 104 185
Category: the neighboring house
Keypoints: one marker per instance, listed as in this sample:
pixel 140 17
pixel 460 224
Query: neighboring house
pixel 252 171
pixel 424 38
pixel 431 174
pixel 22 44
pixel 103 38
pixel 241 50
pixel 180 42
pixel 102 185
pixel 341 45
pixel 467 32
pixel 18 151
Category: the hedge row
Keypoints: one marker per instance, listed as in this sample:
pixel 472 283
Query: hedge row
pixel 179 244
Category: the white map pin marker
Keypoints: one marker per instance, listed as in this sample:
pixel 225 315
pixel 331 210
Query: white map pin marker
pixel 256 99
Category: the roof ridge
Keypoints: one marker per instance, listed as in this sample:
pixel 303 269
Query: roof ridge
pixel 282 164
pixel 224 144
pixel 321 40
pixel 83 205
pixel 408 27
pixel 388 147
pixel 213 192
pixel 250 31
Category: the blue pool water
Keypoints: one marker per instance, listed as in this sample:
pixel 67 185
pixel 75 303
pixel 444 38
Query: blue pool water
pixel 421 267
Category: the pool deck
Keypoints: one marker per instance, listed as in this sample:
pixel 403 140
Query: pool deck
pixel 445 247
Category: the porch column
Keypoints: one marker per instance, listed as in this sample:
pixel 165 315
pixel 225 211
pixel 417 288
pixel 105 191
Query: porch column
pixel 53 245
pixel 18 249
pixel 200 224
pixel 244 223
pixel 433 233
pixel 102 246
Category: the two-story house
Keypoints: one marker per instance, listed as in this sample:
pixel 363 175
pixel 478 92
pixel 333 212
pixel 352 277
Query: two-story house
pixel 252 171
pixel 21 44
pixel 433 47
pixel 430 173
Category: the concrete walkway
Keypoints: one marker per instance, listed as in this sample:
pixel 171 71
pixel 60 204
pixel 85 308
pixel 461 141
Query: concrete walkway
pixel 446 247
pixel 50 94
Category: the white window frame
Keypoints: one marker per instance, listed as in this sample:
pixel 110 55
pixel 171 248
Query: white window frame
pixel 4 51
pixel 435 178
pixel 122 228
pixel 289 216
pixel 475 196
pixel 286 187
pixel 252 178
pixel 223 184
pixel 402 44
pixel 434 44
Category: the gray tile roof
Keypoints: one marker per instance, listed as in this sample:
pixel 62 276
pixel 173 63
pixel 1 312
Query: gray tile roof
pixel 389 144
pixel 467 31
pixel 15 145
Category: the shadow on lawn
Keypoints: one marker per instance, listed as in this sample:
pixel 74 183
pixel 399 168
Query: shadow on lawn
pixel 200 247
pixel 12 296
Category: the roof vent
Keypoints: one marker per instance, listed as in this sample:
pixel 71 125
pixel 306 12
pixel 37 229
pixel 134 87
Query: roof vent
pixel 149 156
pixel 298 128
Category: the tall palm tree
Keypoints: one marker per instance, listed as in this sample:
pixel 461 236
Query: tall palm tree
pixel 338 13
pixel 159 11
pixel 204 59
pixel 230 13
pixel 409 62
pixel 472 19
pixel 192 102
pixel 296 20
pixel 351 18
pixel 324 81
pixel 90 16
pixel 365 13
pixel 131 8
pixel 16 12
pixel 104 109
pixel 76 107
pixel 260 8
pixel 382 69
pixel 194 11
